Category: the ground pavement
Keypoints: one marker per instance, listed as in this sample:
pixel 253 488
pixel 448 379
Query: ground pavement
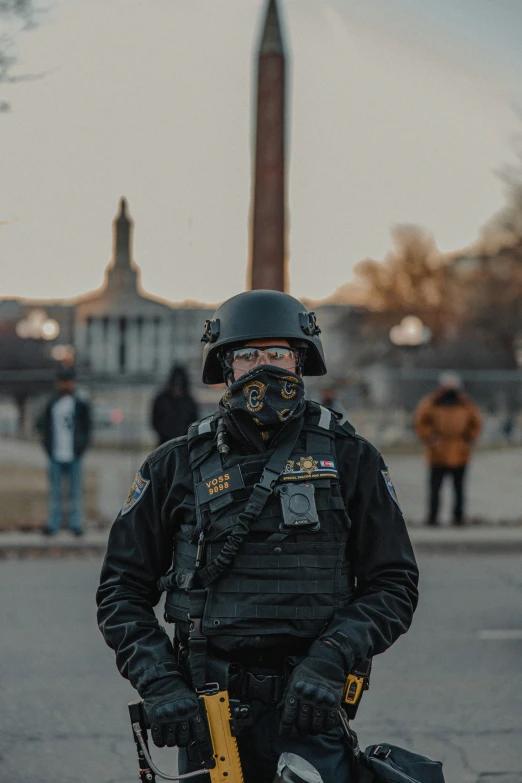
pixel 448 689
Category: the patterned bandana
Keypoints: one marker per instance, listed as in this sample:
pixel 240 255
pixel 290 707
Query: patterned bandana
pixel 270 395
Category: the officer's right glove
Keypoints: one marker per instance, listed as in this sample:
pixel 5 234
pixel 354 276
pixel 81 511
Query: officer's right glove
pixel 172 712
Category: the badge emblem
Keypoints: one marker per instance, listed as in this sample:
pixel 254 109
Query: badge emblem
pixel 138 489
pixel 391 489
pixel 308 464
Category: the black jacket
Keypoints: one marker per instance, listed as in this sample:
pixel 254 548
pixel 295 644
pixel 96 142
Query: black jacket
pixel 172 416
pixel 82 426
pixel 140 552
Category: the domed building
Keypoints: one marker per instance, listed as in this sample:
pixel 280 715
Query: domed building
pixel 121 332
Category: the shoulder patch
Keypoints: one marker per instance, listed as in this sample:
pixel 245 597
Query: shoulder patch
pixel 389 486
pixel 138 489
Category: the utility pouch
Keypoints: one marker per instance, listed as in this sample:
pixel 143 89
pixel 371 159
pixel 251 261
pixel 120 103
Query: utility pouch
pixel 298 507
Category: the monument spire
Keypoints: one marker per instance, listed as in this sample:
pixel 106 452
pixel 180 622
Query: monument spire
pixel 122 237
pixel 122 272
pixel 268 241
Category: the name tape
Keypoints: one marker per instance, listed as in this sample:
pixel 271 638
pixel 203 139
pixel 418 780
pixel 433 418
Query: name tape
pixel 220 483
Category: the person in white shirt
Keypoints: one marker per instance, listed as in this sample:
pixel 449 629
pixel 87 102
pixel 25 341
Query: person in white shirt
pixel 65 429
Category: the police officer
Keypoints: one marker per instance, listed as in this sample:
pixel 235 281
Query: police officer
pixel 277 536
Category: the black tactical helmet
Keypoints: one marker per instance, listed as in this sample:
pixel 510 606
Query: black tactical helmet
pixel 256 315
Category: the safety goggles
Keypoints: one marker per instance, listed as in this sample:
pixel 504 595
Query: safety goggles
pixel 247 358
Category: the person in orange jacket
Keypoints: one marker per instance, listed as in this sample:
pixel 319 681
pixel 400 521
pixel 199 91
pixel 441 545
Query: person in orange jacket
pixel 448 423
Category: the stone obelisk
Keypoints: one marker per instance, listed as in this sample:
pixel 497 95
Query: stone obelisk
pixel 267 268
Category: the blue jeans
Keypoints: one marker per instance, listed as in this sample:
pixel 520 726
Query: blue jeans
pixel 73 472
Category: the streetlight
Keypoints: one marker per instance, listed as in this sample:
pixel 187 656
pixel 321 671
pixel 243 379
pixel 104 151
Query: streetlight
pixel 410 332
pixel 37 326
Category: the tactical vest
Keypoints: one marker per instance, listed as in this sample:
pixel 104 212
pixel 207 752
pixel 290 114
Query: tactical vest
pixel 281 581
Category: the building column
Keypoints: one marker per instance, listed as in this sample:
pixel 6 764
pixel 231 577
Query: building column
pixel 97 345
pixel 112 365
pixel 174 336
pixel 133 347
pixel 165 345
pixel 148 345
pixel 80 341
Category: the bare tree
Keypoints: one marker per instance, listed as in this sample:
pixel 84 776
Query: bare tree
pixel 413 279
pixel 21 11
pixel 491 296
pixel 506 226
pixel 481 305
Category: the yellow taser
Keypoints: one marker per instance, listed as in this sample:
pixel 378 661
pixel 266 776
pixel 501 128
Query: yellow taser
pixel 226 754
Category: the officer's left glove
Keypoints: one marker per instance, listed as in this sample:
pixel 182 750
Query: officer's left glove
pixel 313 696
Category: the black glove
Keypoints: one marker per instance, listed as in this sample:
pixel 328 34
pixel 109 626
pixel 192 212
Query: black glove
pixel 172 712
pixel 313 696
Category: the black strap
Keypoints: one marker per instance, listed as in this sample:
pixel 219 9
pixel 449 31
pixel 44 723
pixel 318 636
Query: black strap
pixel 255 505
pixel 319 434
pixel 212 464
pixel 197 641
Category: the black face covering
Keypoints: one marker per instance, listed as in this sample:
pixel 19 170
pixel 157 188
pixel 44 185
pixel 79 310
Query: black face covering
pixel 270 395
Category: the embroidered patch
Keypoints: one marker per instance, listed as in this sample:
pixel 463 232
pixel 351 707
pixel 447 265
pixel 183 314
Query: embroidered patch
pixel 306 468
pixel 136 493
pixel 219 483
pixel 391 489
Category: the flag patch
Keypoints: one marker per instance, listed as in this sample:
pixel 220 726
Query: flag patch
pixel 138 489
pixel 391 489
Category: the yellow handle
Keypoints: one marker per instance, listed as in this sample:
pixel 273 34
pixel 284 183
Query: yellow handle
pixel 228 764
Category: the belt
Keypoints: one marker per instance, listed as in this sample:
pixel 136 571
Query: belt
pixel 253 686
pixel 248 685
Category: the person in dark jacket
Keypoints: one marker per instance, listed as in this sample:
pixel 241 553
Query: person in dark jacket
pixel 65 430
pixel 174 409
pixel 278 538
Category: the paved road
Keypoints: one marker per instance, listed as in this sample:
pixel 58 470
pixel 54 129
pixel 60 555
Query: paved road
pixel 441 690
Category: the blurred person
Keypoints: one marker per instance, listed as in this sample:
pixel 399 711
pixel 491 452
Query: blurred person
pixel 448 423
pixel 278 538
pixel 508 426
pixel 65 429
pixel 174 409
pixel 329 400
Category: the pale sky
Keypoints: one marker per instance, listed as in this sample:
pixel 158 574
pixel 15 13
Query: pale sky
pixel 400 112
